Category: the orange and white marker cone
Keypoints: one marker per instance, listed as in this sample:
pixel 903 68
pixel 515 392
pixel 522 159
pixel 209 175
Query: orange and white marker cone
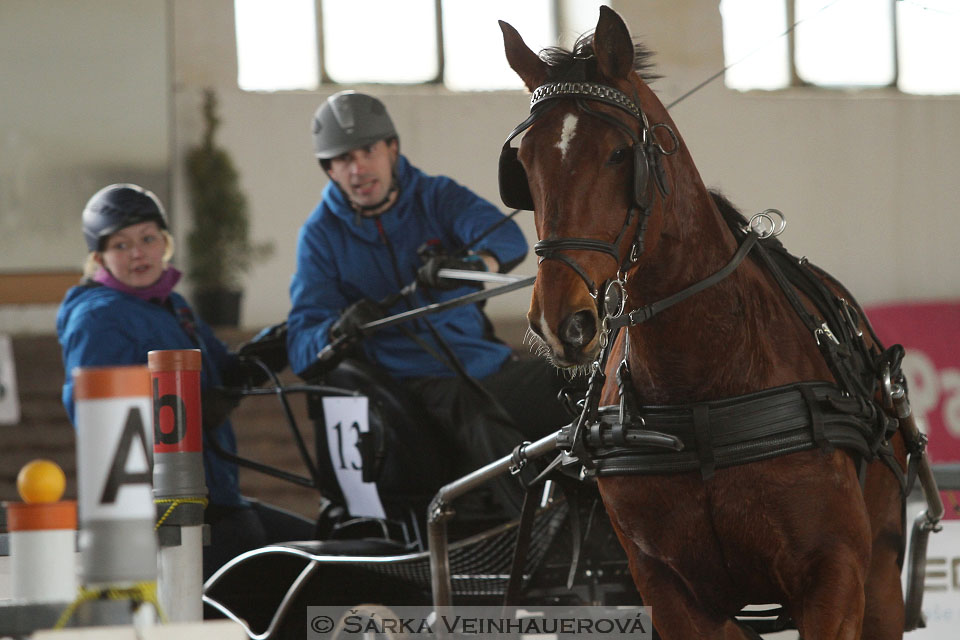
pixel 42 536
pixel 114 420
pixel 179 486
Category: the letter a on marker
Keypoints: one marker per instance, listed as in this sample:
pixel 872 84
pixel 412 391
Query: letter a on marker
pixel 132 431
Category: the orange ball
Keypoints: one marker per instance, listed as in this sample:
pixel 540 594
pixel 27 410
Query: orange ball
pixel 41 481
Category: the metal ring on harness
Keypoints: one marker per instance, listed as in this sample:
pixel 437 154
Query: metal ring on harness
pixel 673 136
pixel 604 332
pixel 772 228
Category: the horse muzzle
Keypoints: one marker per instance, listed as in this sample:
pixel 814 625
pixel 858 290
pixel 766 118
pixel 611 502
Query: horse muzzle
pixel 574 342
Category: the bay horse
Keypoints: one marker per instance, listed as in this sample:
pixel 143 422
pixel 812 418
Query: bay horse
pixel 748 459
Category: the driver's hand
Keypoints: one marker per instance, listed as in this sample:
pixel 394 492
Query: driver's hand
pixel 427 274
pixel 359 313
pixel 270 347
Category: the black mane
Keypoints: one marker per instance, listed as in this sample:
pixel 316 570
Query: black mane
pixel 560 61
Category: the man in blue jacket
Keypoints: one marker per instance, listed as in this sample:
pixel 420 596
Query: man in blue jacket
pixel 381 224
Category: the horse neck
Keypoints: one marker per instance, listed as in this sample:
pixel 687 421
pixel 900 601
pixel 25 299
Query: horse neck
pixel 739 335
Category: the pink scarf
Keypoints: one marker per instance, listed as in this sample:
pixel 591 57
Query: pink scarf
pixel 159 290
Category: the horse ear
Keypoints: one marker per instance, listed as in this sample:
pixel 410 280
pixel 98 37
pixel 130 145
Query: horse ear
pixel 531 69
pixel 612 44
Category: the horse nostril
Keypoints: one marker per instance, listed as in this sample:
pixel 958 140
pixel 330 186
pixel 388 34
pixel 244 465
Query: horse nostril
pixel 535 328
pixel 578 329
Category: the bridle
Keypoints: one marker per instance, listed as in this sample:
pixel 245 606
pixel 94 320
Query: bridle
pixel 647 165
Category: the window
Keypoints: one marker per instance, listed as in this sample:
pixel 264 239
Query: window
pixel 380 41
pixel 276 45
pixel 473 43
pixel 928 46
pixel 455 42
pixel 907 44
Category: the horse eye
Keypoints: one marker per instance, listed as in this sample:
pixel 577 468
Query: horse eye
pixel 618 156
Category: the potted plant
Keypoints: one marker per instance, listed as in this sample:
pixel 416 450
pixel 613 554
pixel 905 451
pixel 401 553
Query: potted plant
pixel 220 250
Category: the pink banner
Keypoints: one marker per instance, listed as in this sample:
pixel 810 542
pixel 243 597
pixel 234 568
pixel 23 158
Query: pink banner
pixel 930 333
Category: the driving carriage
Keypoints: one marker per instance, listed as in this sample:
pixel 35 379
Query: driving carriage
pixel 750 438
pixel 389 554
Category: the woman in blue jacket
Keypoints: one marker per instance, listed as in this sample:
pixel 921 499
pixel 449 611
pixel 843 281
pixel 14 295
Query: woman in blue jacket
pixel 124 307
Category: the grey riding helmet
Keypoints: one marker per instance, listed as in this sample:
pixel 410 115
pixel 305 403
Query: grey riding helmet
pixel 118 206
pixel 349 120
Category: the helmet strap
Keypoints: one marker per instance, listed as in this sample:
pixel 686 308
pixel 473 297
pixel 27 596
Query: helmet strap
pixel 360 210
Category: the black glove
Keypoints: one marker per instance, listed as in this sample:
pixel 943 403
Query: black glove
pixel 245 372
pixel 427 274
pixel 216 403
pixel 359 313
pixel 269 347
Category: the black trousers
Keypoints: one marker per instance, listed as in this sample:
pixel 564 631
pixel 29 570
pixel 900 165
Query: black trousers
pixel 519 402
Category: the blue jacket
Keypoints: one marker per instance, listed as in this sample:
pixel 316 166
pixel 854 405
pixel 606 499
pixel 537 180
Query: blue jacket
pixel 100 326
pixel 342 258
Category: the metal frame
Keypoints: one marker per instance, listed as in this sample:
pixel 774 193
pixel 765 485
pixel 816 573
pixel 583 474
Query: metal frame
pixel 440 511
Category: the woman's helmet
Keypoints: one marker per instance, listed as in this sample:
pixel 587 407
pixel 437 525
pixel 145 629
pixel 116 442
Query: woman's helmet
pixel 349 120
pixel 118 206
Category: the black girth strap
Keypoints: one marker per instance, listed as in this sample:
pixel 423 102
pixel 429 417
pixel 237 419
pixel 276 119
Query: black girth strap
pixel 704 438
pixel 722 433
pixel 816 420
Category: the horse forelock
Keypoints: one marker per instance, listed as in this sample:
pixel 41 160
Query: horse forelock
pixel 561 62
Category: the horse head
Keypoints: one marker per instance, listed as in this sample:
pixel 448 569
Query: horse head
pixel 601 165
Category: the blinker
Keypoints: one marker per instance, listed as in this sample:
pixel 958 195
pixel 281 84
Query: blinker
pixel 514 187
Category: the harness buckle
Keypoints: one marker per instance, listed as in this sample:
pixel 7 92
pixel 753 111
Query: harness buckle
pixel 849 312
pixel 519 458
pixel 886 386
pixel 824 330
